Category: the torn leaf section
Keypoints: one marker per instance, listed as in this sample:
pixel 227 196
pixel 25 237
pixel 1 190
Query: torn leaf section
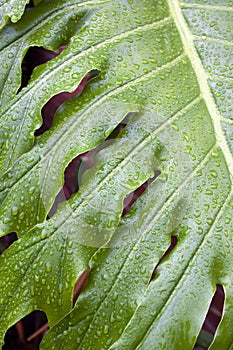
pixel 133 197
pixel 34 57
pixel 80 226
pixel 75 170
pixel 84 122
pixel 50 108
pixel 120 272
pixel 97 41
pixel 80 284
pixel 7 240
pixel 41 27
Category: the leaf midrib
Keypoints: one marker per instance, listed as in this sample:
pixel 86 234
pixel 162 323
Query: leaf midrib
pixel 202 78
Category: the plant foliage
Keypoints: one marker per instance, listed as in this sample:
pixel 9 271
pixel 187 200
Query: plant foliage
pixel 167 65
pixel 11 9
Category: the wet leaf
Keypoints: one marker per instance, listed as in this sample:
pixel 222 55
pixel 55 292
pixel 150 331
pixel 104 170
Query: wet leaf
pixel 12 9
pixel 169 66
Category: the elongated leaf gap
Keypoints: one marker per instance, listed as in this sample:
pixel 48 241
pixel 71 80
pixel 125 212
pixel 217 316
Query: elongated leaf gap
pixel 212 319
pixel 7 240
pixel 88 158
pixel 71 175
pixel 174 241
pixel 132 197
pixel 80 284
pixel 50 108
pixel 16 336
pixel 35 56
pixel 80 164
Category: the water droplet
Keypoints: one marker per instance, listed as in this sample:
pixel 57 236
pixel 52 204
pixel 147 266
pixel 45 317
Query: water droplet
pixel 14 210
pixel 48 267
pixel 209 192
pixel 6 220
pixel 37 278
pixel 175 127
pixel 106 329
pixel 43 234
pixel 31 190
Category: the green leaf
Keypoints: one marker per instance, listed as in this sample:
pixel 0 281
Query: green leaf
pixel 48 26
pixel 12 9
pixel 70 238
pixel 168 64
pixel 167 313
pixel 120 273
pixel 68 66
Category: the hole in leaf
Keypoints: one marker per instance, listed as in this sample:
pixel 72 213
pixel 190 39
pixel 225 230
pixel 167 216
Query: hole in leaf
pixel 35 56
pixel 71 180
pixel 174 241
pixel 80 284
pixel 85 161
pixel 212 319
pixel 50 108
pixel 7 240
pixel 17 336
pixel 70 184
pixel 79 165
pixel 131 198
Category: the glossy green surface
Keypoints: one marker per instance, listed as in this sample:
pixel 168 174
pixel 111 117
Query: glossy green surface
pixel 12 9
pixel 169 64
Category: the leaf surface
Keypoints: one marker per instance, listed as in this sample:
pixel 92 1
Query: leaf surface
pixel 12 9
pixel 116 81
pixel 168 64
pixel 168 312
